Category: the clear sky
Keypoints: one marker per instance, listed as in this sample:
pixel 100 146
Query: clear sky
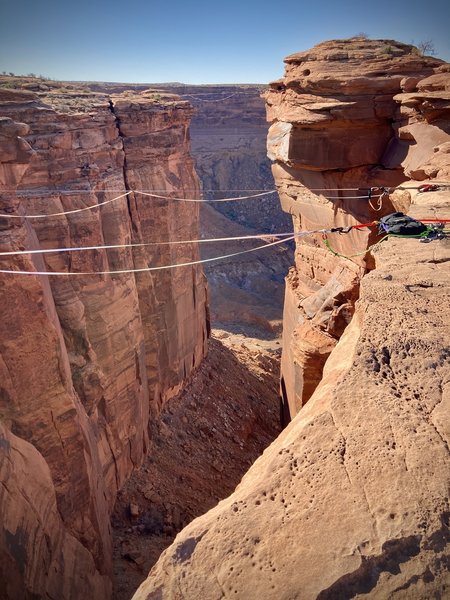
pixel 231 41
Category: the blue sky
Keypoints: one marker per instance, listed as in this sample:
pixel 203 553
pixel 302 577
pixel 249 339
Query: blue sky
pixel 232 41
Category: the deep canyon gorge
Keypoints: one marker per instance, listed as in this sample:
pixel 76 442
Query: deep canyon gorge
pixel 109 395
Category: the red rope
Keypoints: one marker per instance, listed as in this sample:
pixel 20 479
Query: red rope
pixel 373 223
pixel 434 220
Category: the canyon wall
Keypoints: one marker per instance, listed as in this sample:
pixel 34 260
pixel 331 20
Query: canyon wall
pixel 228 142
pixel 337 130
pixel 87 360
pixel 229 132
pixel 352 498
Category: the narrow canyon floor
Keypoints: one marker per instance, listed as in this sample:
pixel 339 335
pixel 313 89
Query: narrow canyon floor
pixel 205 440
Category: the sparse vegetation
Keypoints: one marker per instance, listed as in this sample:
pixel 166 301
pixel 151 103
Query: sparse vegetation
pixel 425 48
pixel 387 49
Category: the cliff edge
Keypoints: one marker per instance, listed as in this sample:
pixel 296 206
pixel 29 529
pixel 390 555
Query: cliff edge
pixel 352 499
pixel 87 361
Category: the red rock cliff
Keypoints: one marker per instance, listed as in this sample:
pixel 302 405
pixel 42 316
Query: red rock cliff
pixel 352 499
pixel 337 130
pixel 87 360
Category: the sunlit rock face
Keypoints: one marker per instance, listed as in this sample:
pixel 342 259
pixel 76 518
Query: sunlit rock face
pixel 228 144
pixel 347 116
pixel 352 499
pixel 86 361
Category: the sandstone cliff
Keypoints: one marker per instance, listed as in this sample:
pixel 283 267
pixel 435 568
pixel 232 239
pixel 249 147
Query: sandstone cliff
pixel 228 142
pixel 86 361
pixel 338 130
pixel 352 499
pixel 229 132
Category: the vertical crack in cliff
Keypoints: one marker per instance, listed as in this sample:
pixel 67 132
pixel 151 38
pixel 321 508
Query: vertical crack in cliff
pixel 110 440
pixel 57 431
pixel 124 168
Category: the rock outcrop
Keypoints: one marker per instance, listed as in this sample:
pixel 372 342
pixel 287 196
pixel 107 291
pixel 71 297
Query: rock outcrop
pixel 352 498
pixel 86 361
pixel 337 131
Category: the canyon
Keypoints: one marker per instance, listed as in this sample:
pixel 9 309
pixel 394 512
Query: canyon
pixel 113 414
pixel 228 143
pixel 352 497
pixel 229 133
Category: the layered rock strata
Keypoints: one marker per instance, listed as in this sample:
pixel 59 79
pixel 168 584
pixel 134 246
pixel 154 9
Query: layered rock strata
pixel 229 132
pixel 86 361
pixel 228 141
pixel 352 499
pixel 337 130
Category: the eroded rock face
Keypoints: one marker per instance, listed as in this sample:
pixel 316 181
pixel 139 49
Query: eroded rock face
pixel 228 143
pixel 348 115
pixel 87 361
pixel 352 498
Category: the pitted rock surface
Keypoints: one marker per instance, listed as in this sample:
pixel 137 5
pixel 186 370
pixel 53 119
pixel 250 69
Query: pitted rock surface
pixel 352 499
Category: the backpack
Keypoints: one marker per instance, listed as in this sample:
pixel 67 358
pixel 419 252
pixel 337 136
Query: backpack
pixel 400 224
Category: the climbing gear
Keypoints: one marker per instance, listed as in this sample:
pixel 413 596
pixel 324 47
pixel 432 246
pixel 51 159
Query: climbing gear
pixel 384 194
pixel 435 232
pixel 350 256
pixel 395 225
pixel 341 229
pixel 429 187
pixel 398 223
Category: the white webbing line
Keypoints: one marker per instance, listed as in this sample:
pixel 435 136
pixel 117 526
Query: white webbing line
pixel 167 243
pixel 48 191
pixel 146 269
pixel 93 206
pixel 206 201
pixel 65 212
pixel 34 193
pixel 349 197
pixel 199 98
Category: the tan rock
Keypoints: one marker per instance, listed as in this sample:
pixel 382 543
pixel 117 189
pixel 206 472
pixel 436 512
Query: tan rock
pixel 351 499
pixel 339 127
